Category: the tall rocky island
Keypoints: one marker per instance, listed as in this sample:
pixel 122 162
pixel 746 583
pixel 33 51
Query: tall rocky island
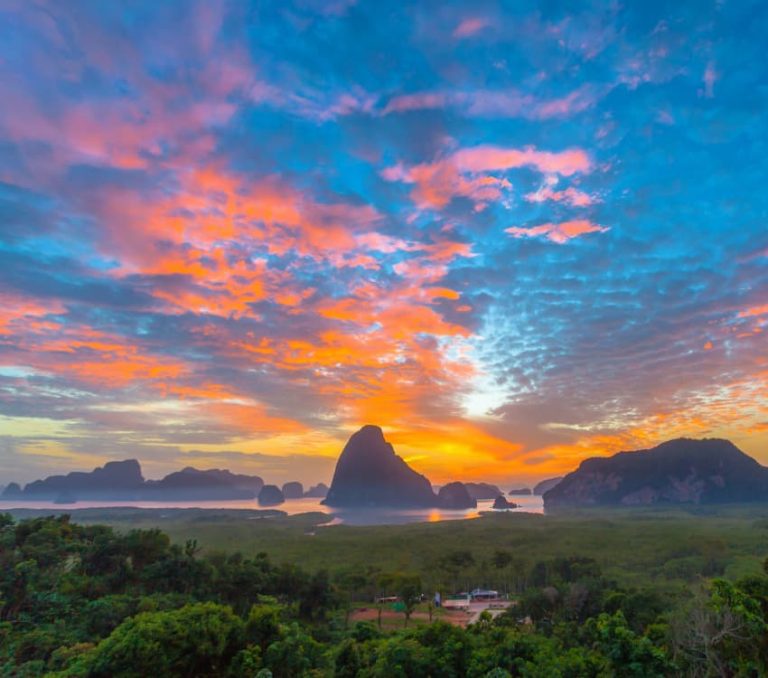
pixel 369 473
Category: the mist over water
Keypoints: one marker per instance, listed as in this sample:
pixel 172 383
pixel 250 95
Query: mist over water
pixel 346 516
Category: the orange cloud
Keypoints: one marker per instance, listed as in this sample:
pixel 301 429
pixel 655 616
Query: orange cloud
pixel 22 314
pixel 754 312
pixel 93 357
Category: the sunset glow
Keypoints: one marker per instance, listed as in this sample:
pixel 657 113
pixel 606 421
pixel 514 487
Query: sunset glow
pixel 513 237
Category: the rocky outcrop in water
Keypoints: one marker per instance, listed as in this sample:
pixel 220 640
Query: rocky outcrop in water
pixel 270 495
pixel 682 471
pixel 455 496
pixel 293 490
pixel 501 502
pixel 318 491
pixel 369 473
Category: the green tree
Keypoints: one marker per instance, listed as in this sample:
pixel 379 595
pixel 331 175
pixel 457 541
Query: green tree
pixel 295 654
pixel 409 591
pixel 627 653
pixel 196 640
pixel 263 624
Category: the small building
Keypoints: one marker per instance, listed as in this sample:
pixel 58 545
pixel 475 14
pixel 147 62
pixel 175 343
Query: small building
pixel 484 594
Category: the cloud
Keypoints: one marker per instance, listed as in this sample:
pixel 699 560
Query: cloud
pixel 755 311
pixel 559 233
pixel 470 26
pixel 709 78
pixel 570 195
pixel 486 158
pixel 504 103
pixel 465 173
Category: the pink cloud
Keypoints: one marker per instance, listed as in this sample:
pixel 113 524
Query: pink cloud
pixel 465 173
pixel 470 26
pixel 709 78
pixel 384 243
pixel 574 102
pixel 494 158
pixel 570 195
pixel 505 103
pixel 416 102
pixel 558 233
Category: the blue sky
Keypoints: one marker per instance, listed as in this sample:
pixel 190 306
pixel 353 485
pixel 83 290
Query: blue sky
pixel 511 234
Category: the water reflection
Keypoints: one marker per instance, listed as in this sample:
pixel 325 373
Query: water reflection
pixel 357 516
pixel 385 516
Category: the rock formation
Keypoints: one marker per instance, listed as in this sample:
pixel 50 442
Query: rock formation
pixel 11 491
pixel 545 485
pixel 455 496
pixel 293 490
pixel 369 473
pixel 318 491
pixel 210 484
pixel 270 495
pixel 710 471
pixel 520 491
pixel 501 502
pixel 116 479
pixel 123 481
pixel 480 491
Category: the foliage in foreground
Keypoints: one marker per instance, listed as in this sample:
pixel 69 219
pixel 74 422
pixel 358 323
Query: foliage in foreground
pixel 86 601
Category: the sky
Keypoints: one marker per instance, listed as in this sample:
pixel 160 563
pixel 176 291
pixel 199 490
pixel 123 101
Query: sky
pixel 514 235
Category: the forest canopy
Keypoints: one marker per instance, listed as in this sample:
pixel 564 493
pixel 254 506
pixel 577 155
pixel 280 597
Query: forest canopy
pixel 85 600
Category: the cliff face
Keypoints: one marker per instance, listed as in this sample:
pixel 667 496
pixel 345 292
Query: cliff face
pixel 369 473
pixel 679 471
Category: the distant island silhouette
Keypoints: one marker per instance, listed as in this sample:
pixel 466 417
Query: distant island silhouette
pixel 681 471
pixel 124 481
pixel 370 474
